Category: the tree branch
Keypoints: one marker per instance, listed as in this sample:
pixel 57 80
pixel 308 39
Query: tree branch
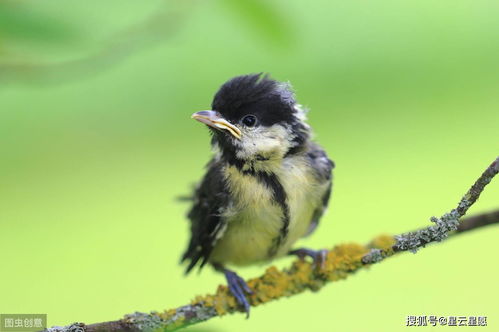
pixel 342 261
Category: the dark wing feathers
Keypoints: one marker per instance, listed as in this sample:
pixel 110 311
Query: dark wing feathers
pixel 206 223
pixel 323 167
pixel 320 162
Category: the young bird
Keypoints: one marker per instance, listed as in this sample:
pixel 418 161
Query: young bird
pixel 267 185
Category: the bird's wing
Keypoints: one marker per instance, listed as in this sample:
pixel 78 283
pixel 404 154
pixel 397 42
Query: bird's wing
pixel 207 225
pixel 322 167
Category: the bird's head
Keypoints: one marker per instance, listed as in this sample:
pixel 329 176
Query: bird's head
pixel 255 117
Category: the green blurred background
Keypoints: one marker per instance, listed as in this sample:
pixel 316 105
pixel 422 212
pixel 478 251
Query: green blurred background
pixel 96 144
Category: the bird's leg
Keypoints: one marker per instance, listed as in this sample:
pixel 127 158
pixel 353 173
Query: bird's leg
pixel 237 286
pixel 318 256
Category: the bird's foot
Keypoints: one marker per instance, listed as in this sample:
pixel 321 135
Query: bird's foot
pixel 318 256
pixel 238 288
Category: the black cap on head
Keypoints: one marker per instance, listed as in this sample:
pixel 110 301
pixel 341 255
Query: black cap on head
pixel 257 94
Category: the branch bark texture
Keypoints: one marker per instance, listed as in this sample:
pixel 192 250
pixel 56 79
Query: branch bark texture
pixel 341 261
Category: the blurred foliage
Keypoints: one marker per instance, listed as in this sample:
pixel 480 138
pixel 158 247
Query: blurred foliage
pixel 18 22
pixel 263 18
pixel 21 22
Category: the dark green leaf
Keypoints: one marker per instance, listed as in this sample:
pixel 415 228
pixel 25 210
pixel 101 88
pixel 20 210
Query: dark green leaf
pixel 262 18
pixel 17 22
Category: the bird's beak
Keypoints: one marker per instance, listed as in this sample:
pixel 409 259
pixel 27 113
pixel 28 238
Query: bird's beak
pixel 216 120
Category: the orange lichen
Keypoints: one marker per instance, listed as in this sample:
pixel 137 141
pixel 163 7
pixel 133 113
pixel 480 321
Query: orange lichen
pixel 167 314
pixel 384 242
pixel 273 284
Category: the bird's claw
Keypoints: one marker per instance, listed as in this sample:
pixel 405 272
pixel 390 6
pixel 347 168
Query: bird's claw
pixel 318 256
pixel 238 287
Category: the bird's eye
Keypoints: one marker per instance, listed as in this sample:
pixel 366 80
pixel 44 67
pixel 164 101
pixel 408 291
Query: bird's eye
pixel 249 120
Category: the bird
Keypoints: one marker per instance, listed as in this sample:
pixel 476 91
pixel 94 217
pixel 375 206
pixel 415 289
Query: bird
pixel 267 185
